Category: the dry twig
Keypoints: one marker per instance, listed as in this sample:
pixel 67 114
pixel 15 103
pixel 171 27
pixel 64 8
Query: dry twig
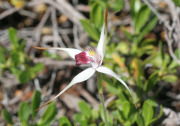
pixel 57 38
pixel 172 30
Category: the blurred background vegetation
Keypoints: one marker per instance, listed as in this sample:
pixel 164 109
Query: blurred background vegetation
pixel 143 48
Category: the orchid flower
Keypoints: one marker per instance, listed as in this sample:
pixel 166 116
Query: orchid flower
pixel 93 57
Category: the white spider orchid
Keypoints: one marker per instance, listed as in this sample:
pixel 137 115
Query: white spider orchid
pixel 93 57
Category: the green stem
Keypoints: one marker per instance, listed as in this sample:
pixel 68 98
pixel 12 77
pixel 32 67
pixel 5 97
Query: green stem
pixel 100 89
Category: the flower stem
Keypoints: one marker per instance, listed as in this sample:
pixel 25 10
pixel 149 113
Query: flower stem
pixel 100 89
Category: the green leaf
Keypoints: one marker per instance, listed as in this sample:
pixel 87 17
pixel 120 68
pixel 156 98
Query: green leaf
pixel 2 56
pixel 86 111
pixel 148 112
pixel 128 35
pixel 148 41
pixel 149 49
pixel 95 114
pixel 123 47
pixel 48 116
pixel 152 80
pixel 152 102
pixel 12 36
pixel 96 14
pixel 126 109
pixel 154 59
pixel 21 44
pixel 174 64
pixel 135 5
pixel 36 100
pixel 24 112
pixel 147 28
pixel 139 119
pixel 121 117
pixel 102 124
pixel 177 2
pixel 141 18
pixel 38 67
pixel 79 118
pixel 170 78
pixel 92 32
pixel 115 114
pixel 139 83
pixel 112 89
pixel 24 76
pixel 122 97
pixel 15 57
pixel 93 124
pixel 116 5
pixel 64 121
pixel 159 115
pixel 6 115
pixel 18 58
pixel 15 71
pixel 127 124
pixel 127 113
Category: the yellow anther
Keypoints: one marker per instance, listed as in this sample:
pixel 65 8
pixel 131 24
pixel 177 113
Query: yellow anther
pixel 92 53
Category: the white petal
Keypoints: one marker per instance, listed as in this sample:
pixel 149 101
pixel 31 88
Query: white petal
pixel 100 46
pixel 72 52
pixel 108 71
pixel 84 75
